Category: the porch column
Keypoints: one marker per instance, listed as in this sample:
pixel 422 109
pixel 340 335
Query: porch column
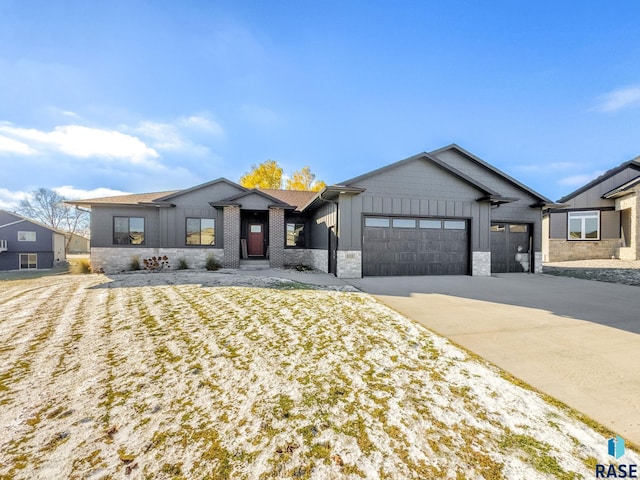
pixel 276 237
pixel 231 258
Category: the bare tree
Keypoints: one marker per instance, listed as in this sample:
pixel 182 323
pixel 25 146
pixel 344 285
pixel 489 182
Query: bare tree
pixel 49 208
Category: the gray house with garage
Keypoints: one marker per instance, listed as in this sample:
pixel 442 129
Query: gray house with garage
pixel 445 212
pixel 28 245
pixel 601 219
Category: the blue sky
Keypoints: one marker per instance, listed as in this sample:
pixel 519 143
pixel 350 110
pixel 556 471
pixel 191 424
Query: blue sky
pixel 134 96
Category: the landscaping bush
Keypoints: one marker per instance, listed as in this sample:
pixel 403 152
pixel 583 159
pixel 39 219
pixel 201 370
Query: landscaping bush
pixel 134 264
pixel 211 264
pixel 155 264
pixel 80 266
pixel 182 264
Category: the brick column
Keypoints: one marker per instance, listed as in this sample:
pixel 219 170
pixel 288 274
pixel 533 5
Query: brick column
pixel 231 258
pixel 276 237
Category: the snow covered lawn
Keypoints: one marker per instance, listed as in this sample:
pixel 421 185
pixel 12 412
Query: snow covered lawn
pixel 207 375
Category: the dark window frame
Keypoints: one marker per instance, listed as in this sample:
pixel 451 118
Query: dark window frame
pixel 186 232
pixel 303 231
pixel 128 233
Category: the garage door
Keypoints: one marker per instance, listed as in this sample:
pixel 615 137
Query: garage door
pixel 415 246
pixel 510 244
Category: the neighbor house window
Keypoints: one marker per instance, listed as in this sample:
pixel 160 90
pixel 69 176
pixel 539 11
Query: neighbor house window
pixel 28 260
pixel 201 231
pixel 128 231
pixel 295 235
pixel 26 236
pixel 584 225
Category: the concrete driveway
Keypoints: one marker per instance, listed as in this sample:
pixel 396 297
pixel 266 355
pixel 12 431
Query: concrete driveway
pixel 576 340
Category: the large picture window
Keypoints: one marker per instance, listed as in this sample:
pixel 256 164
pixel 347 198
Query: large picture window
pixel 295 235
pixel 201 231
pixel 128 231
pixel 584 225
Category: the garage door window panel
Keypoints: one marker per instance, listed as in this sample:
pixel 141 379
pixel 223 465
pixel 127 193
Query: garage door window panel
pixel 404 223
pixel 376 222
pixel 431 224
pixel 455 225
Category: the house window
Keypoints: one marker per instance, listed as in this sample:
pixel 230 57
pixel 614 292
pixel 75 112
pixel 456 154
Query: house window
pixel 26 236
pixel 128 231
pixel 376 222
pixel 295 235
pixel 28 261
pixel 201 231
pixel 584 225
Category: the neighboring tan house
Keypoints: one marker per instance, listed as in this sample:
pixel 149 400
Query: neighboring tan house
pixel 444 212
pixel 26 244
pixel 77 244
pixel 599 220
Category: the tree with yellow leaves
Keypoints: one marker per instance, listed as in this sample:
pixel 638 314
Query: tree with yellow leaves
pixel 266 175
pixel 304 180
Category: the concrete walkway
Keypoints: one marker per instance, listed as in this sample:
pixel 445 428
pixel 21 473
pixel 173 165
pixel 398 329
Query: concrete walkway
pixel 576 340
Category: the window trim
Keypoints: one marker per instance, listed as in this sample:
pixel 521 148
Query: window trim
pixel 199 245
pixel 129 244
pixel 25 232
pixel 286 228
pixel 28 263
pixel 583 215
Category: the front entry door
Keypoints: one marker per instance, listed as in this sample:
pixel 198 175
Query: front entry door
pixel 255 244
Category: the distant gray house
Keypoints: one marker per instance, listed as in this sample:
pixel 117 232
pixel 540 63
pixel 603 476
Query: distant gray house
pixel 26 244
pixel 77 244
pixel 446 212
pixel 599 220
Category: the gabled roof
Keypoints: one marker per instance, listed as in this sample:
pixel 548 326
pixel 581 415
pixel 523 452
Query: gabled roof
pixel 21 219
pixel 433 160
pixel 198 187
pixel 633 164
pixel 491 168
pixel 622 189
pixel 130 199
pixel 235 199
pixel 295 198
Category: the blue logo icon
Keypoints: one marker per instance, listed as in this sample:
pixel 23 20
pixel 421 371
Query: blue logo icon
pixel 616 446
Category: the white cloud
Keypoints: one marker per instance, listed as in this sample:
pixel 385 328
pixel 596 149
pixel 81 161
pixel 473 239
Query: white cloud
pixel 202 123
pixel 581 179
pixel 85 142
pixel 619 99
pixel 172 136
pixel 9 200
pixel 71 193
pixel 9 145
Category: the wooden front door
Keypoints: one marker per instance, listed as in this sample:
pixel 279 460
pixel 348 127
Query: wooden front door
pixel 255 242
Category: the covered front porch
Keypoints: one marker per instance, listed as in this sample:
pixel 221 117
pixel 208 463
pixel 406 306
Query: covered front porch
pixel 253 229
